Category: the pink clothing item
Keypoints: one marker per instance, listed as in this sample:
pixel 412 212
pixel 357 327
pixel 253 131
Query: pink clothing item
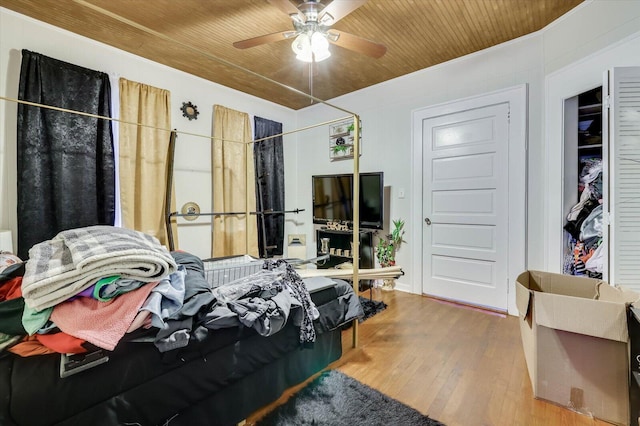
pixel 100 323
pixel 143 319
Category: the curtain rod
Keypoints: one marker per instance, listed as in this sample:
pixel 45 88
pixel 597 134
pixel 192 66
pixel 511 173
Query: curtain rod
pixel 253 213
pixel 102 117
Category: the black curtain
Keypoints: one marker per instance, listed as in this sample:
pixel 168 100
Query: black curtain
pixel 66 165
pixel 269 160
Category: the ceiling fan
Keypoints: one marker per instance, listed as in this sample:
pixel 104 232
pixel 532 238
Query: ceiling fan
pixel 312 21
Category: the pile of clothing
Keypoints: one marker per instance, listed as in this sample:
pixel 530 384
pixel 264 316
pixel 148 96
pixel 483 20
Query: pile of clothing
pixel 91 288
pixel 584 255
pixel 85 289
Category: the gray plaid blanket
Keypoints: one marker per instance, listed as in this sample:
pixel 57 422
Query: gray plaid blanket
pixel 75 259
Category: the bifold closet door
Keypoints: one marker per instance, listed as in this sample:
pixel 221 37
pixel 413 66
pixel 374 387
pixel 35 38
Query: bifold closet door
pixel 621 136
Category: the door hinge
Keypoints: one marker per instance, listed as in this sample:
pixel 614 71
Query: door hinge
pixel 606 218
pixel 607 101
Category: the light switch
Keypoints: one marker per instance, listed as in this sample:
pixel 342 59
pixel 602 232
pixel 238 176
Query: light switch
pixel 401 193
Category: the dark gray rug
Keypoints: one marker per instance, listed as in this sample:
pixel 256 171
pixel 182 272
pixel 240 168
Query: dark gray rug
pixel 371 307
pixel 334 399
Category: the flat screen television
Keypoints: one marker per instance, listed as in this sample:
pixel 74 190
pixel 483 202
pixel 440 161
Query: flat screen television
pixel 333 199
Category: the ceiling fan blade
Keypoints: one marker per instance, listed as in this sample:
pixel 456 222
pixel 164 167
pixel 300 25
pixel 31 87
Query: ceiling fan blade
pixel 263 39
pixel 338 9
pixel 287 7
pixel 358 44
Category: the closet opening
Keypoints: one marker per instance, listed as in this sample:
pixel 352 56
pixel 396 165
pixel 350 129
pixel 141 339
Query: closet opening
pixel 583 249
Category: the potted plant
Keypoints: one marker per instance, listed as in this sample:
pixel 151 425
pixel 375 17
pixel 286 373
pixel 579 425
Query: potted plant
pixel 340 149
pixel 351 128
pixel 387 248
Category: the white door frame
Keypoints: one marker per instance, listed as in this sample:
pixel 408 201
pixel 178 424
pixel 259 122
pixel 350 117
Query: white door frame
pixel 517 99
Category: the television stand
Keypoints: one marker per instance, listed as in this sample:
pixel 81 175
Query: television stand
pixel 340 249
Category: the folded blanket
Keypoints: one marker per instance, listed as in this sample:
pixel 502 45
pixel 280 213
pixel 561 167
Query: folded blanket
pixel 75 259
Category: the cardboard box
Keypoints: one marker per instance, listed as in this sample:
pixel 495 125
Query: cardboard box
pixel 575 340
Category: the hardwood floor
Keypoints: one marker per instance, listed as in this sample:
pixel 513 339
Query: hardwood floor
pixel 459 365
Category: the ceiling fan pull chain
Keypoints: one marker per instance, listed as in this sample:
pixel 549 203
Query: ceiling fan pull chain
pixel 311 81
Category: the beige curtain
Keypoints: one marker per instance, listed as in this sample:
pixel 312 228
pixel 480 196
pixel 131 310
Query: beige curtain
pixel 233 183
pixel 143 158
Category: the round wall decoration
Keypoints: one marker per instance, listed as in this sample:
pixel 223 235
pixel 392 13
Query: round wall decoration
pixel 191 210
pixel 189 110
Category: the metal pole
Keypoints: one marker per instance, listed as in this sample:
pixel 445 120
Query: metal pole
pixel 246 194
pixel 169 190
pixel 356 217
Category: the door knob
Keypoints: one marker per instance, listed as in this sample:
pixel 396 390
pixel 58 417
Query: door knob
pixel 427 221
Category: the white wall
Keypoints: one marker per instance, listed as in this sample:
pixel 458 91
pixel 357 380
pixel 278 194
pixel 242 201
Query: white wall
pixel 592 27
pixel 386 110
pixel 192 166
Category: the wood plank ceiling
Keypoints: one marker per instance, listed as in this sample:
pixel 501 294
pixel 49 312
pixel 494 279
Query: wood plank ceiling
pixel 196 36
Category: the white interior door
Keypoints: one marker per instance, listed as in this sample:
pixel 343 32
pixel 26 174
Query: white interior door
pixel 466 205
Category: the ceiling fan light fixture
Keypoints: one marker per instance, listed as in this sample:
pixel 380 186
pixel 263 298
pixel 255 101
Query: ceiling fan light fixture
pixel 301 44
pixel 332 36
pixel 319 43
pixel 321 56
pixel 309 48
pixel 312 21
pixel 320 46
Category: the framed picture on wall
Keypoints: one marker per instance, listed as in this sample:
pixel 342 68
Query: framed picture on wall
pixel 341 144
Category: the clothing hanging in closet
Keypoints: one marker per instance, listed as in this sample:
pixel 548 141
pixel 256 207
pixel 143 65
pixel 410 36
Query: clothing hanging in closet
pixel 584 225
